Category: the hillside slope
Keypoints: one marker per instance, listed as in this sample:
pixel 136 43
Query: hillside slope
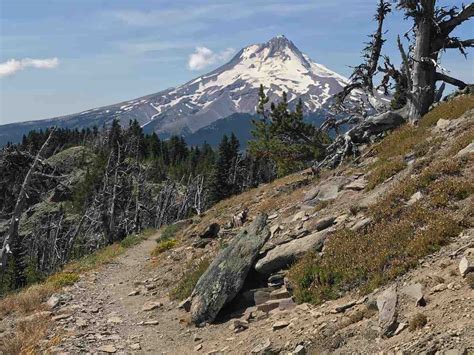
pixel 389 228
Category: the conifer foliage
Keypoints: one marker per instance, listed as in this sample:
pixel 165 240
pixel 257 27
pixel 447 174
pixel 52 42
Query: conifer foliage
pixel 283 136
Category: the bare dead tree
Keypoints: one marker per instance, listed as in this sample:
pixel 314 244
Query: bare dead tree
pixel 12 234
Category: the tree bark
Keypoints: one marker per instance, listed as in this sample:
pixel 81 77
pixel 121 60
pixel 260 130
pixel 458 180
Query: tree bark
pixel 424 60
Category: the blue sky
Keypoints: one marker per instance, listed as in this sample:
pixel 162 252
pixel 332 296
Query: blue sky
pixel 62 56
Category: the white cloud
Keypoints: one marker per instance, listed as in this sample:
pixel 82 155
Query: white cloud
pixel 12 66
pixel 204 57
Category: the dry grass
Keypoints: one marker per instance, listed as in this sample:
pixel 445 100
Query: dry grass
pixel 418 321
pixel 190 278
pixel 163 246
pixel 400 235
pixel 32 297
pixel 448 110
pixel 28 333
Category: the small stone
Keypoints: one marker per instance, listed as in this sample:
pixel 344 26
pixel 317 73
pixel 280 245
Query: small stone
pixel 61 316
pixel 299 350
pixel 81 322
pixel 361 224
pixel 149 306
pixel 115 320
pixel 280 325
pixel 53 301
pixel 268 306
pixel 239 325
pixel 134 293
pixel 280 294
pixel 344 307
pixel 151 322
pixel 135 346
pixel 439 288
pixel 401 327
pixel 466 265
pixel 198 347
pixel 107 349
pixel 417 196
pixel 442 123
pixel 356 185
pixel 272 216
pixel 286 304
pixel 196 337
pixel 262 347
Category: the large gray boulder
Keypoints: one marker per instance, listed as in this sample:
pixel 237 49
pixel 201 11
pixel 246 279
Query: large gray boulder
pixel 226 275
pixel 283 255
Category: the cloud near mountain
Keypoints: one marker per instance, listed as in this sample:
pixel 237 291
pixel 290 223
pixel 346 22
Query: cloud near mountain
pixel 204 57
pixel 13 66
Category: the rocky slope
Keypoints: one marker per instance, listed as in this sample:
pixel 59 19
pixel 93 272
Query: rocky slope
pixel 130 306
pixel 232 88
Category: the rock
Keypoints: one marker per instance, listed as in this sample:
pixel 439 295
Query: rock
pixel 107 349
pixel 239 325
pixel 319 224
pixel 61 316
pixel 201 243
pixel 344 307
pixel 415 291
pixel 361 224
pixel 211 232
pixel 260 296
pixel 299 350
pixel 283 255
pixel 280 325
pixel 280 294
pixel 276 280
pixel 149 306
pixel 261 348
pixel 151 322
pixel 442 123
pixel 417 196
pixel 387 305
pixel 272 216
pixel 356 185
pixel 274 229
pixel 198 347
pixel 469 149
pixel 186 304
pixel 466 265
pixel 401 327
pixel 81 322
pixel 226 275
pixel 268 306
pixel 286 304
pixel 53 301
pixel 134 293
pixel 135 346
pixel 239 219
pixel 439 288
pixel 115 320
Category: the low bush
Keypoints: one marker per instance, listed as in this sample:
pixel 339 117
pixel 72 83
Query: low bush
pixel 383 170
pixel 418 321
pixel 189 280
pixel 163 246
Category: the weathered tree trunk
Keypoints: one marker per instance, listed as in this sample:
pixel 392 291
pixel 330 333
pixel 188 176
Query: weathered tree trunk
pixel 16 215
pixel 424 61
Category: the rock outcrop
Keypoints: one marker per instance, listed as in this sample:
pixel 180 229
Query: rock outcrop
pixel 226 275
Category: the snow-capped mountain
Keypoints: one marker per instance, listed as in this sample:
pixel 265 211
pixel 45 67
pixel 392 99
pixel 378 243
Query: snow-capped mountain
pixel 232 88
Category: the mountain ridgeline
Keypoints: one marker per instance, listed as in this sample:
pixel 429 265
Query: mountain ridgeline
pixel 278 65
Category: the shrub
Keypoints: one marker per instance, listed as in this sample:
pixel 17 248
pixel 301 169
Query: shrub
pixel 383 170
pixel 62 279
pixel 418 321
pixel 448 110
pixel 130 241
pixel 163 246
pixel 189 280
pixel 170 232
